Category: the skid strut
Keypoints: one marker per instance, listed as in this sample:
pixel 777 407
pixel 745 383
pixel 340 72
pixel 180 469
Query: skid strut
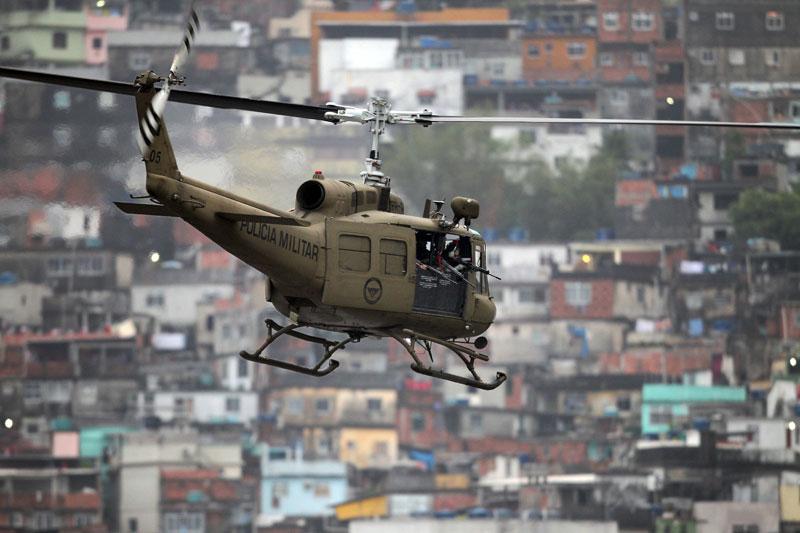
pixel 409 339
pixel 330 348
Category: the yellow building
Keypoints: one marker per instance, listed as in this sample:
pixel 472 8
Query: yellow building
pixel 368 447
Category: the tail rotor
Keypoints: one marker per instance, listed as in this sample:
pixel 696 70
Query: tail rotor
pixel 150 121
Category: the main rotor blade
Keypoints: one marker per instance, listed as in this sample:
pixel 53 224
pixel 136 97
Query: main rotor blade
pixel 185 97
pixel 521 121
pixel 69 81
pixel 269 107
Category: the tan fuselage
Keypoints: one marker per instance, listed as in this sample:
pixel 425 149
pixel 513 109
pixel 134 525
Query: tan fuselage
pixel 300 262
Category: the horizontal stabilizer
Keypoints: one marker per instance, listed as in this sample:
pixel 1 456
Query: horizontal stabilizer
pixel 268 219
pixel 145 209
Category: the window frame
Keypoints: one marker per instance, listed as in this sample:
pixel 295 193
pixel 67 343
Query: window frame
pixel 384 255
pixel 725 21
pixel 578 293
pixel 774 21
pixel 572 45
pixel 643 21
pixel 56 43
pixel 368 251
pixel 609 16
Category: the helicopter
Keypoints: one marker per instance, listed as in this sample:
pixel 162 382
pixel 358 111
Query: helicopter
pixel 347 258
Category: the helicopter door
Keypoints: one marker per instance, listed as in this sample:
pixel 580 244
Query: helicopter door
pixel 369 266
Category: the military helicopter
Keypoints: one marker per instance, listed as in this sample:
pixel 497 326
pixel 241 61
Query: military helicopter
pixel 346 258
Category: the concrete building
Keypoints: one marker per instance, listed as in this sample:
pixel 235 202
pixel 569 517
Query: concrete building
pixel 172 296
pixel 666 408
pixel 53 31
pixel 21 303
pixel 292 486
pixel 142 456
pixel 57 491
pixel 207 406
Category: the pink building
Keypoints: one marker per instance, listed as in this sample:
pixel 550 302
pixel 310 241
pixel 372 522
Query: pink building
pixel 103 16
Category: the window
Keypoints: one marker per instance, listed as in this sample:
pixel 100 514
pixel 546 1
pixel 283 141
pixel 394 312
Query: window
pixel 417 422
pixel 794 110
pixel 640 294
pixel 139 61
pixel 380 449
pixel 772 57
pixel 323 405
pixel 154 299
pixel 354 252
pixel 533 50
pixel 708 56
pixel 641 59
pixel 133 525
pixel 611 21
pixel 475 421
pixel 606 59
pixel 725 20
pixel 724 201
pixel 242 368
pixel 59 40
pixel 232 404
pixel 736 56
pixel 493 259
pixel 393 257
pixel 531 295
pixel 61 100
pixel 576 50
pixel 294 405
pixel 578 294
pixel 97 43
pixel 774 21
pixel 322 490
pixel 642 21
pixel 5 42
pixel 68 5
pixel 374 404
pixel 106 101
pixel 660 415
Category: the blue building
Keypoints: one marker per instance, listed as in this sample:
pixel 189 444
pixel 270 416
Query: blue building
pixel 294 487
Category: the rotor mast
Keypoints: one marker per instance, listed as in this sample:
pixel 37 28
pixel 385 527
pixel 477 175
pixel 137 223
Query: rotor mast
pixel 379 109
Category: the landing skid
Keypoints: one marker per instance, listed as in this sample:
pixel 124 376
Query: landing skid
pixel 330 348
pixel 410 339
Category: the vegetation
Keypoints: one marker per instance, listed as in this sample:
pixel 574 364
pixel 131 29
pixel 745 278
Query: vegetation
pixel 769 215
pixel 570 202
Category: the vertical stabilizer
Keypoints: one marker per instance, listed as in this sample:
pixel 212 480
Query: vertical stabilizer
pixel 156 148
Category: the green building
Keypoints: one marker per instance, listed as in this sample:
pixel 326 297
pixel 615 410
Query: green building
pixel 46 31
pixel 666 406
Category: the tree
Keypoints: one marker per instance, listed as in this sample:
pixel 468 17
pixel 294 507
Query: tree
pixel 769 215
pixel 572 202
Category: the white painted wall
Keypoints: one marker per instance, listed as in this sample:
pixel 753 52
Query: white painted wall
pixel 21 303
pixel 200 406
pixel 179 301
pixel 551 146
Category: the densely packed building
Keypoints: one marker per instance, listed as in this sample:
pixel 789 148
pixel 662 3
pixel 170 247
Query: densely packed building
pixel 652 371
